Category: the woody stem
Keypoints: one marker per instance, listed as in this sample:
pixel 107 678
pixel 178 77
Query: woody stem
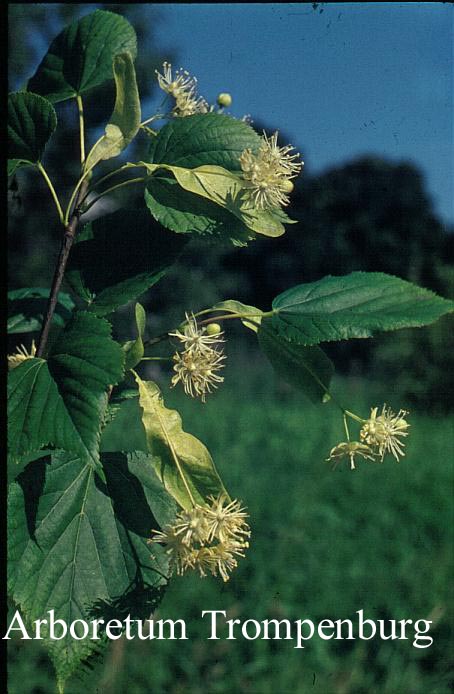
pixel 66 245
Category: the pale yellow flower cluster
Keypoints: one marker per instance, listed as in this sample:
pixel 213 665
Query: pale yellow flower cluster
pixel 198 365
pixel 383 431
pixel 380 434
pixel 21 355
pixel 350 449
pixel 269 173
pixel 206 538
pixel 183 87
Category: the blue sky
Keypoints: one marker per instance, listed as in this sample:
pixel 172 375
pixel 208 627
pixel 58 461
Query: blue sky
pixel 341 80
pixel 356 78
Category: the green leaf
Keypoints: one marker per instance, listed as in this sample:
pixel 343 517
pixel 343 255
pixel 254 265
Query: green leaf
pixel 203 139
pixel 118 257
pixel 225 189
pixel 27 307
pixel 125 120
pixel 307 368
pixel 210 139
pixel 233 306
pixel 181 461
pixel 357 305
pixel 186 213
pixel 283 217
pixel 79 546
pixel 134 349
pixel 31 122
pixel 126 430
pixel 61 401
pixel 13 164
pixel 81 56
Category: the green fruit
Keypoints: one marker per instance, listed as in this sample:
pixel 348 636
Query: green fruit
pixel 286 186
pixel 224 100
pixel 213 329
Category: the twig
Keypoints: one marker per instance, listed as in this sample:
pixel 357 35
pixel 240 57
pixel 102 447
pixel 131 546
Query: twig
pixel 67 242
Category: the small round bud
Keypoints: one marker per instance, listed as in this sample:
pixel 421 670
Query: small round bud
pixel 286 186
pixel 224 100
pixel 213 329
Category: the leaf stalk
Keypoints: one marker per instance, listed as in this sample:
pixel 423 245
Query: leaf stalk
pixel 52 190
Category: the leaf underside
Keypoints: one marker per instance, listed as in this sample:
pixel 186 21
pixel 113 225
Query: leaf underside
pixel 171 447
pixel 186 213
pixel 27 307
pixel 307 368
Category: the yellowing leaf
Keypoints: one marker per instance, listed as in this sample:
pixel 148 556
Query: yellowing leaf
pixel 234 306
pixel 212 182
pixel 125 120
pixel 226 189
pixel 181 461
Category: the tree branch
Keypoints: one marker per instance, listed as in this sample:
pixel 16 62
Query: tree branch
pixel 67 242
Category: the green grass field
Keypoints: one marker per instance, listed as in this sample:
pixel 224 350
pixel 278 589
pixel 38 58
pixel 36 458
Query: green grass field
pixel 324 544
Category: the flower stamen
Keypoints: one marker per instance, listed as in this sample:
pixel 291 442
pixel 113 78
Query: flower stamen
pixel 384 431
pixel 269 173
pixel 183 87
pixel 206 538
pixel 21 355
pixel 198 364
pixel 351 449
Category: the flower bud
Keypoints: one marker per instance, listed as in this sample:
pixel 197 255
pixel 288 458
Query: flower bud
pixel 286 186
pixel 213 329
pixel 224 100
